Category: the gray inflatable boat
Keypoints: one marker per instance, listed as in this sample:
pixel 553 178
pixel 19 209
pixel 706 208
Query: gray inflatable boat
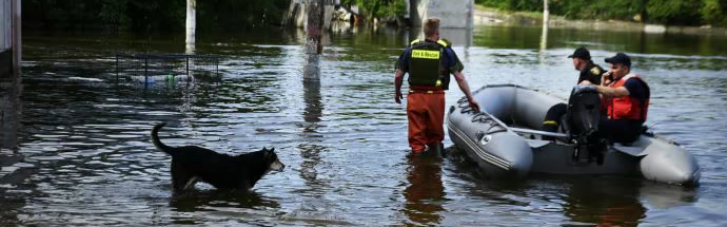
pixel 506 139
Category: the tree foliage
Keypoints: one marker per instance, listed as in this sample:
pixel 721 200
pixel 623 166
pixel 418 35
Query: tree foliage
pixel 379 8
pixel 673 12
pixel 150 15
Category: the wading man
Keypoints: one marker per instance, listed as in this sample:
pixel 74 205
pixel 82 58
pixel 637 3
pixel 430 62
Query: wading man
pixel 429 63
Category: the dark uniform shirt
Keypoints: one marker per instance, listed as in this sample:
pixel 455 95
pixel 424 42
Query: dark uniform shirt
pixel 592 73
pixel 637 89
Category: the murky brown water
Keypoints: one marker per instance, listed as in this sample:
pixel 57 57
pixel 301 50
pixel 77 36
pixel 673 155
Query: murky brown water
pixel 78 152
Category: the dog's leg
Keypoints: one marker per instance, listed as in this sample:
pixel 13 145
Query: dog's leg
pixel 180 177
pixel 191 182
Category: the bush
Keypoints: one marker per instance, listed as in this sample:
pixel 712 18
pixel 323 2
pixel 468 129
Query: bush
pixel 675 12
pixel 713 12
pixel 150 15
pixel 681 12
pixel 379 8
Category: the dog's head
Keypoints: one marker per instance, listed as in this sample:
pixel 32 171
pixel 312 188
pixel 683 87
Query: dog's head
pixel 272 158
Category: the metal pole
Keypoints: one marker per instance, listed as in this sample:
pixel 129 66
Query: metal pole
pixel 146 68
pixel 117 68
pixel 16 36
pixel 191 22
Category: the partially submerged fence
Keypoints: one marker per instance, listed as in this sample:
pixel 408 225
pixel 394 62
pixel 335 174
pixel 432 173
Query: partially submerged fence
pixel 171 65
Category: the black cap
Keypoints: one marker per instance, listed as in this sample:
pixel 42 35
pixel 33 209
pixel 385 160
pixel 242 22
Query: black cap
pixel 581 53
pixel 620 58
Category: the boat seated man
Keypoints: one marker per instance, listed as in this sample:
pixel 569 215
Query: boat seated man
pixel 625 96
pixel 589 73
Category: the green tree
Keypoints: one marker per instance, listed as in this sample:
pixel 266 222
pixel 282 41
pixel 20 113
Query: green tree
pixel 682 12
pixel 385 9
pixel 713 12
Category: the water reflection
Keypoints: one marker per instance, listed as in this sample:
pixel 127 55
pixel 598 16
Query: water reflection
pixel 313 106
pixel 605 202
pixel 207 200
pixel 661 196
pixel 458 37
pixel 425 192
pixel 88 140
pixel 11 176
pixel 311 149
pixel 10 112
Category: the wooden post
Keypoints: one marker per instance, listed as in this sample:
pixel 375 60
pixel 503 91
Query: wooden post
pixel 16 37
pixel 546 12
pixel 546 23
pixel 314 47
pixel 544 34
pixel 191 24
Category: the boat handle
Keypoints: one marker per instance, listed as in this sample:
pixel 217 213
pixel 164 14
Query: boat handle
pixel 483 137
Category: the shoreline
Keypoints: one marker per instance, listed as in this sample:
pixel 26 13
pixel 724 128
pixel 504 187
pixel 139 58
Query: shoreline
pixel 491 16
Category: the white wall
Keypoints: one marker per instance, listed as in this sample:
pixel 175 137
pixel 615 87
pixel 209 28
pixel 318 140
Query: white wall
pixel 453 13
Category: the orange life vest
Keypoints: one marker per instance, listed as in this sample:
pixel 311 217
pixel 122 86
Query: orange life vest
pixel 627 107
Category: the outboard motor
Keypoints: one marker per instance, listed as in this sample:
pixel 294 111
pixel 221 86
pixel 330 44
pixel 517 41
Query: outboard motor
pixel 582 121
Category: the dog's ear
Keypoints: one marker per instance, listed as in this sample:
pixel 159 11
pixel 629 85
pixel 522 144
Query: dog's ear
pixel 272 149
pixel 265 149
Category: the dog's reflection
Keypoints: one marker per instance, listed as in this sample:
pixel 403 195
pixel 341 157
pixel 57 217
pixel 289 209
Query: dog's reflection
pixel 204 200
pixel 425 191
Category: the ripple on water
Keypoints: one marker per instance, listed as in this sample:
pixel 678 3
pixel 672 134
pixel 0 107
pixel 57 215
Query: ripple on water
pixel 87 151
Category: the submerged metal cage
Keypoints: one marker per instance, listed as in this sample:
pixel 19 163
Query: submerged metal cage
pixel 148 65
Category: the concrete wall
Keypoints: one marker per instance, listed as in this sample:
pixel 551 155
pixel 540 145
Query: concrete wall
pixel 297 15
pixel 6 24
pixel 453 13
pixel 6 38
pixel 9 37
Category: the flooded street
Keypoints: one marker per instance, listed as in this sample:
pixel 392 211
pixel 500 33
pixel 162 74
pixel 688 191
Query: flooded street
pixel 76 149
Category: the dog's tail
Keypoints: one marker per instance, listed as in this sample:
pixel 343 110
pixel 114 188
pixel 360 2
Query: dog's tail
pixel 158 143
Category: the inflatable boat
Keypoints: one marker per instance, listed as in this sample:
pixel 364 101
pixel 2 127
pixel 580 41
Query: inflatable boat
pixel 506 139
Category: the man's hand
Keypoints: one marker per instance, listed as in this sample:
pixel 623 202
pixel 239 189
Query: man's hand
pixel 474 105
pixel 606 79
pixel 398 97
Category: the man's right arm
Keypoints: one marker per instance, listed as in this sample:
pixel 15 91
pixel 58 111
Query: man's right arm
pixel 398 81
pixel 402 66
pixel 462 82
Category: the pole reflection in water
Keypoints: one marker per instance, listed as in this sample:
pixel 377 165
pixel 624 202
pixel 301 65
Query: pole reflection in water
pixel 425 191
pixel 310 151
pixel 10 112
pixel 10 174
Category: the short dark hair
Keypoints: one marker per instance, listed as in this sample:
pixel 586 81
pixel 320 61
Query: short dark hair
pixel 431 26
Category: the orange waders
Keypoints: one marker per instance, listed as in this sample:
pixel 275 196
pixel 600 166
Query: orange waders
pixel 425 110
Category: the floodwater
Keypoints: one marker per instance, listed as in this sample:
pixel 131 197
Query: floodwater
pixel 76 149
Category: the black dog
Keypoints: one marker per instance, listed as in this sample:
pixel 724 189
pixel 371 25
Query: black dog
pixel 192 163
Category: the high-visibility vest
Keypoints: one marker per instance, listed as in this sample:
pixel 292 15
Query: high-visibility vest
pixel 628 107
pixel 425 65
